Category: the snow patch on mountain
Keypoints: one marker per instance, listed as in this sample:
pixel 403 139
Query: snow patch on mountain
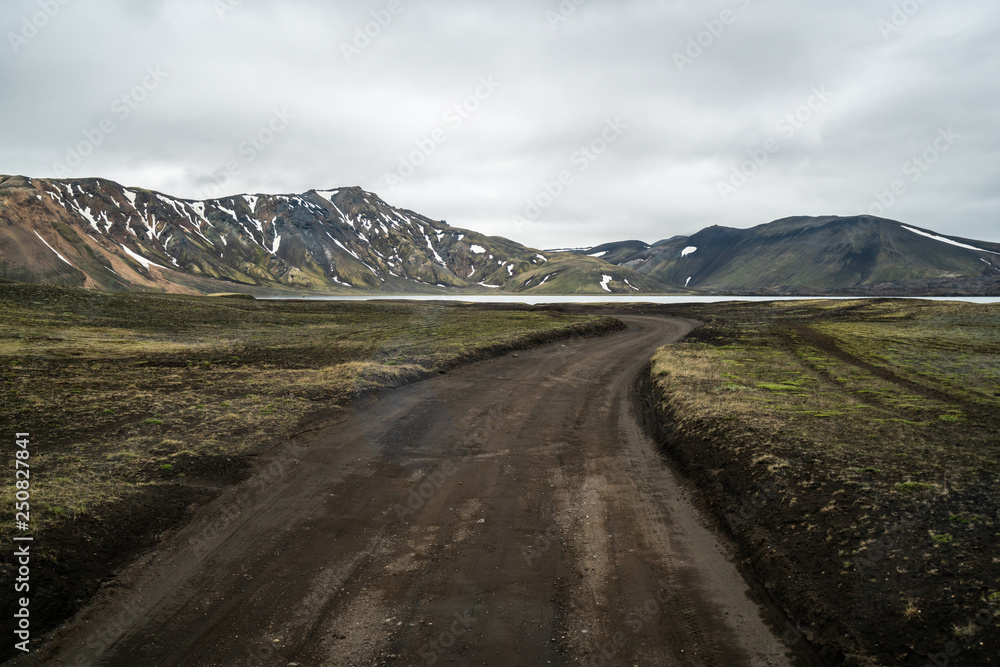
pixel 53 249
pixel 89 217
pixel 226 210
pixel 142 260
pixel 942 239
pixel 130 195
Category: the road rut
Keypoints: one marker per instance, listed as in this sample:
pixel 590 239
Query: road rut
pixel 511 512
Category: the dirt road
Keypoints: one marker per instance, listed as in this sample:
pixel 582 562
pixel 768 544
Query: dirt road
pixel 511 512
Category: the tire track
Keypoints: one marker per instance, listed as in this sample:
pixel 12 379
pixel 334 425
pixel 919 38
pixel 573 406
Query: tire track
pixel 538 509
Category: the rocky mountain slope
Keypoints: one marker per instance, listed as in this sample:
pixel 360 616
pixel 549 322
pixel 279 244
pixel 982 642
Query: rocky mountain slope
pixel 816 255
pixel 100 234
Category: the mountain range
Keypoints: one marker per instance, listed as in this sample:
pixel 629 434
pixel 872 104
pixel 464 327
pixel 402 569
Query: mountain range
pixel 99 234
pixel 816 255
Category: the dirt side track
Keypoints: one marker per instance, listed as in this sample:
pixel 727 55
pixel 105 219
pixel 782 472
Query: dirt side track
pixel 511 512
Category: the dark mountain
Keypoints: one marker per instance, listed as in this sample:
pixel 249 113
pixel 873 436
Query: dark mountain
pixel 821 255
pixel 100 234
pixel 619 252
pixel 97 233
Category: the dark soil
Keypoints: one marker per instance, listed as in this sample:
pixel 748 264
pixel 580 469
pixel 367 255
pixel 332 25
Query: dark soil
pixel 74 558
pixel 903 600
pixel 511 512
pixel 76 555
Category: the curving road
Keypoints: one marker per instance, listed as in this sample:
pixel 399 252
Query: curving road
pixel 511 512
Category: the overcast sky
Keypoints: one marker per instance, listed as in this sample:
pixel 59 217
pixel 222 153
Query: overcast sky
pixel 553 123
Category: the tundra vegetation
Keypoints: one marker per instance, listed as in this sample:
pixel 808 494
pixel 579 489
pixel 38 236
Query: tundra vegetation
pixel 142 407
pixel 852 450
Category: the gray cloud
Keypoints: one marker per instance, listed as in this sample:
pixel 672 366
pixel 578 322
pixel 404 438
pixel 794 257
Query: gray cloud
pixel 206 125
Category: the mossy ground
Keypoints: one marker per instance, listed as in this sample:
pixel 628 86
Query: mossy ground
pixel 852 447
pixel 113 388
pixel 142 406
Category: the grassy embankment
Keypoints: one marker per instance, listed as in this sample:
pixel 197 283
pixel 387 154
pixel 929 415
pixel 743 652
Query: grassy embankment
pixel 140 406
pixel 115 389
pixel 852 450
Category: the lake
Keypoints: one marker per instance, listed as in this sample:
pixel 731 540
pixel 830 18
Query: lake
pixel 534 300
